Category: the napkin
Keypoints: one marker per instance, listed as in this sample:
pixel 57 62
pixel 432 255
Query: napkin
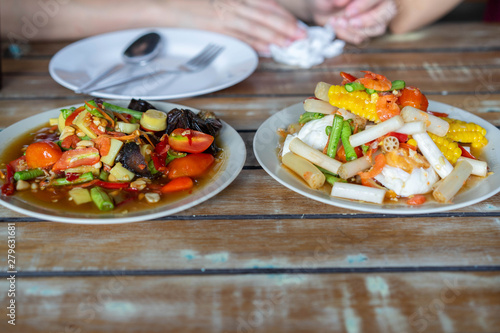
pixel 319 44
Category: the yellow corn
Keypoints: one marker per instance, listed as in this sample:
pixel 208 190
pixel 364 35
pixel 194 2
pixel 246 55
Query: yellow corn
pixel 448 147
pixel 358 102
pixel 465 132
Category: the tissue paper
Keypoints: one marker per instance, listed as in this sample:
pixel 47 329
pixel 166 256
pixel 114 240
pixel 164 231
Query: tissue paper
pixel 319 44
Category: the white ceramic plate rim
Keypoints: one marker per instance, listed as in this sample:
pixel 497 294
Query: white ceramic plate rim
pixel 230 43
pixel 231 141
pixel 266 141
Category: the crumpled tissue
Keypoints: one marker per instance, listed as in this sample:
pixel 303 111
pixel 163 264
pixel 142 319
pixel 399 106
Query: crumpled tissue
pixel 319 44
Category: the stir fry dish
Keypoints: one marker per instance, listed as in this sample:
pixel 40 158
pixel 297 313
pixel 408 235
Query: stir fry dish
pixel 374 140
pixel 101 156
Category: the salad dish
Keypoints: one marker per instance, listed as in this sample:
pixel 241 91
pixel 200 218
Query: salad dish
pixel 377 145
pixel 111 162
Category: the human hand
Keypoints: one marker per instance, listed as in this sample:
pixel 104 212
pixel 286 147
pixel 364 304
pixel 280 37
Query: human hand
pixel 355 20
pixel 257 22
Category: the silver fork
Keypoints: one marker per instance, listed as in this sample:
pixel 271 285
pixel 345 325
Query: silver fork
pixel 199 62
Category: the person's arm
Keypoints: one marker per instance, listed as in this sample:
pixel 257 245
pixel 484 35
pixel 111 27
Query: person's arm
pixel 257 22
pixel 413 14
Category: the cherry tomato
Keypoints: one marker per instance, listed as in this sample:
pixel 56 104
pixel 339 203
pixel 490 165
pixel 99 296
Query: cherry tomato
pixel 178 184
pixel 411 96
pixel 417 199
pixel 192 165
pixel 77 157
pixel 19 164
pixel 189 141
pixel 42 154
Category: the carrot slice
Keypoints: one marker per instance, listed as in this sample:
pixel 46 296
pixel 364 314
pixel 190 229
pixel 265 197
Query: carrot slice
pixel 416 200
pixel 178 184
pixel 376 169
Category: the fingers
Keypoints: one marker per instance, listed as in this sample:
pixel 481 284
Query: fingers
pixel 356 7
pixel 380 14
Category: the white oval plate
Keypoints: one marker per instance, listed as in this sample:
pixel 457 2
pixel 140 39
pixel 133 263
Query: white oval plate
pixel 266 141
pixel 77 63
pixel 230 140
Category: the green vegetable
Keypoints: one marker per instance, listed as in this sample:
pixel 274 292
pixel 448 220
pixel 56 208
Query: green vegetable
pixel 328 130
pixel 350 154
pixel 103 175
pixel 332 179
pixel 101 199
pixel 119 109
pixel 354 86
pixel 152 169
pixel 172 155
pixel 93 109
pixel 398 85
pixel 308 116
pixel 67 112
pixel 371 91
pixel 365 148
pixel 28 174
pixel 326 172
pixel 338 122
pixel 84 178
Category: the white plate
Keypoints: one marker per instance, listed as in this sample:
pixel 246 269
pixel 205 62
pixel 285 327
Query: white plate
pixel 229 139
pixel 266 140
pixel 77 63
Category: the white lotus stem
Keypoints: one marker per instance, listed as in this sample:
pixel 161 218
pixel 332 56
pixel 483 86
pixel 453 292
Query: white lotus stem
pixel 450 185
pixel 434 124
pixel 358 192
pixel 479 168
pixel 321 91
pixel 319 106
pixel 432 153
pixel 314 156
pixel 351 168
pixel 412 128
pixel 370 134
pixel 305 169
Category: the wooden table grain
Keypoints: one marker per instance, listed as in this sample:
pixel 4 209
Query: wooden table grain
pixel 259 257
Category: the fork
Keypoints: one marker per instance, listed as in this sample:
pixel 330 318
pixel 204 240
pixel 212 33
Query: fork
pixel 199 62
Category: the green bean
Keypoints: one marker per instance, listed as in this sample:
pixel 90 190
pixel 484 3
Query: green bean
pixel 119 109
pixel 84 178
pixel 328 130
pixel 101 199
pixel 332 179
pixel 28 174
pixel 333 142
pixel 371 91
pixel 308 116
pixel 398 85
pixel 350 154
pixel 326 172
pixel 354 86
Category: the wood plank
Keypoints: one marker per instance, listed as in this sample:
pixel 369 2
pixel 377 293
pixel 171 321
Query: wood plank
pixel 246 242
pixel 420 302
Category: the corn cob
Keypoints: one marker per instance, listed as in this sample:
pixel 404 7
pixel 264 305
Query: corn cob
pixel 358 102
pixel 448 147
pixel 462 131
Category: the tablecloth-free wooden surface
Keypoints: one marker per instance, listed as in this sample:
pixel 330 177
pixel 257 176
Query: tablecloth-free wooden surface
pixel 259 257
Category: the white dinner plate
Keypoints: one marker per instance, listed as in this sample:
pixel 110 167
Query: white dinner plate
pixel 266 141
pixel 77 63
pixel 228 139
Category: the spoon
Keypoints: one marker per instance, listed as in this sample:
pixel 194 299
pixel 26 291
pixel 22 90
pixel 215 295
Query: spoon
pixel 139 52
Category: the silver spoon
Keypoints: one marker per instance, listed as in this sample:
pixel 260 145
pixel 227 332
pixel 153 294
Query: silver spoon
pixel 139 52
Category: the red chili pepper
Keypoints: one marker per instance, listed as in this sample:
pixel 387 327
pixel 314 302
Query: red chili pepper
pixel 465 153
pixel 70 176
pixel 437 114
pixel 8 187
pixel 400 136
pixel 111 186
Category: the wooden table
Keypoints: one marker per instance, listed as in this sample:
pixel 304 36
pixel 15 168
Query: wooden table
pixel 259 257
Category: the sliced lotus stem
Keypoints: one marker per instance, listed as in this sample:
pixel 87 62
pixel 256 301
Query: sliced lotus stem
pixel 305 169
pixel 372 133
pixel 358 192
pixel 434 124
pixel 351 168
pixel 450 185
pixel 319 106
pixel 413 127
pixel 321 91
pixel 314 156
pixel 479 168
pixel 433 155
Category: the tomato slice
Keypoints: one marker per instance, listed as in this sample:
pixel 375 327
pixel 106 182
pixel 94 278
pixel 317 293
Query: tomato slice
pixel 400 136
pixel 411 96
pixel 77 157
pixel 192 165
pixel 437 114
pixel 189 141
pixel 42 154
pixel 19 164
pixel 347 78
pixel 72 116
